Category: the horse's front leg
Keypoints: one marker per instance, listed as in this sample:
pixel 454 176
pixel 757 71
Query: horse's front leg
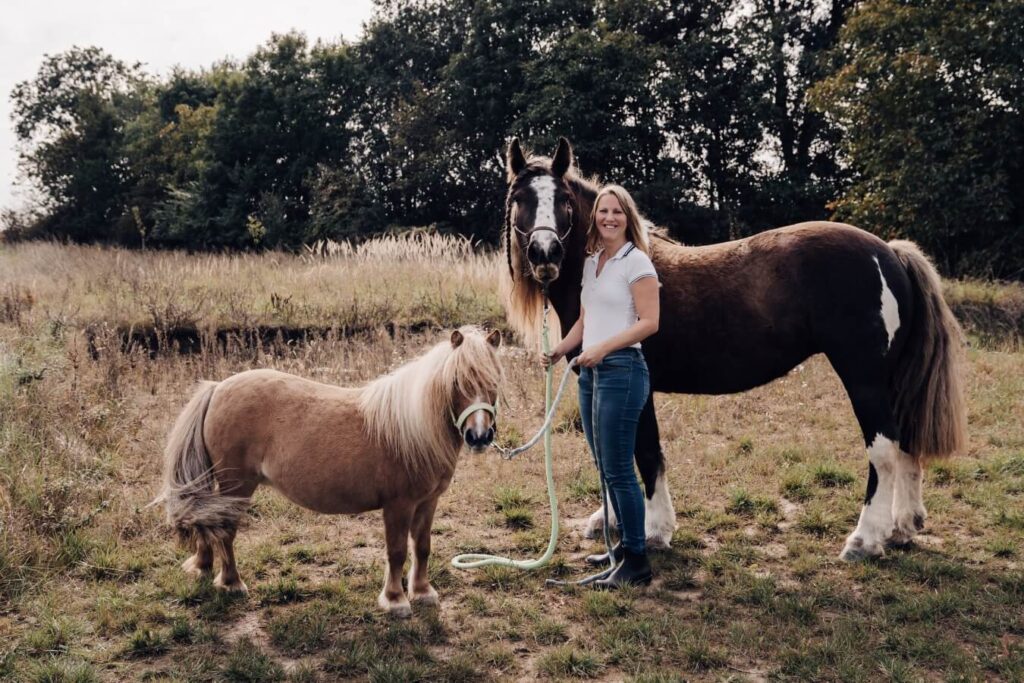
pixel 397 520
pixel 420 589
pixel 201 563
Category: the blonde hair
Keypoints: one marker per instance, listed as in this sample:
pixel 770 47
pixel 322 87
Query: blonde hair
pixel 636 227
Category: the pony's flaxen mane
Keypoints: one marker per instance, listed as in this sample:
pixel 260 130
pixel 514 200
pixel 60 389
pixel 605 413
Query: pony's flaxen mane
pixel 408 411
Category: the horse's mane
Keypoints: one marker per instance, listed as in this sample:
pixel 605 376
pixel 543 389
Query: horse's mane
pixel 408 411
pixel 522 295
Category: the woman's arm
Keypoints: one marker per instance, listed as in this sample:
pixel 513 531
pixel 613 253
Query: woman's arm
pixel 648 311
pixel 569 342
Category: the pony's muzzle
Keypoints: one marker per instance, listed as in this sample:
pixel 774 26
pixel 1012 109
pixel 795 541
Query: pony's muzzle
pixel 478 439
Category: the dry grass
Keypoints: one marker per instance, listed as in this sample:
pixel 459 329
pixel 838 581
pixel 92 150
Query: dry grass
pixel 90 587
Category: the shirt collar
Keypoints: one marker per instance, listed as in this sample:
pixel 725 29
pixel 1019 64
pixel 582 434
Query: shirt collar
pixel 620 254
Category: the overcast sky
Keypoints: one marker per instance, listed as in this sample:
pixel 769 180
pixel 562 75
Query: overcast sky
pixel 161 35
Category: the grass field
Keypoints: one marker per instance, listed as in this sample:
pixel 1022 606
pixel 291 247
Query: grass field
pixel 766 486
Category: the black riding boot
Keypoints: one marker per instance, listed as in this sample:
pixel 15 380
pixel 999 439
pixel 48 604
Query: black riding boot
pixel 598 560
pixel 635 570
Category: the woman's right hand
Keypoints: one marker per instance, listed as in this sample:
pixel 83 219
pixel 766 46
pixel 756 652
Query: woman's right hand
pixel 548 359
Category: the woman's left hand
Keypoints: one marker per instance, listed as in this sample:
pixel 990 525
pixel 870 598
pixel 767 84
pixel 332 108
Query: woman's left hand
pixel 591 357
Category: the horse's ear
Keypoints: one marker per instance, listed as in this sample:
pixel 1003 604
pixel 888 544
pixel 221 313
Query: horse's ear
pixel 562 158
pixel 456 339
pixel 515 159
pixel 494 338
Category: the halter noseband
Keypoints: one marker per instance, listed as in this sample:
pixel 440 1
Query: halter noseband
pixel 461 419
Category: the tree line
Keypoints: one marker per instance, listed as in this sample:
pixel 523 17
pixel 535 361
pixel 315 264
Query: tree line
pixel 724 118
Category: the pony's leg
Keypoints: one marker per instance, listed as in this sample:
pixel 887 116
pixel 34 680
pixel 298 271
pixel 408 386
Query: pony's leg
pixel 201 563
pixel 420 589
pixel 228 578
pixel 908 511
pixel 397 520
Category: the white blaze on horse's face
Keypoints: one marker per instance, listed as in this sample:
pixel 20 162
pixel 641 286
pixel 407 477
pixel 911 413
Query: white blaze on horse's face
pixel 544 250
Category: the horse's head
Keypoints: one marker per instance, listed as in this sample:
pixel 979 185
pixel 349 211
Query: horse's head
pixel 477 376
pixel 539 210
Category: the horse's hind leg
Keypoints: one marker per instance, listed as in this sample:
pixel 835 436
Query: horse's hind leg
pixel 866 387
pixel 228 578
pixel 397 520
pixel 201 563
pixel 908 511
pixel 420 589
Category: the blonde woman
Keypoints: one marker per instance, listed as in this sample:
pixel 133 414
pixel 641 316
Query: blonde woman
pixel 619 308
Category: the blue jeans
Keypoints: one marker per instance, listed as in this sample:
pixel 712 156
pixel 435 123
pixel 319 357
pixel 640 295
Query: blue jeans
pixel 612 394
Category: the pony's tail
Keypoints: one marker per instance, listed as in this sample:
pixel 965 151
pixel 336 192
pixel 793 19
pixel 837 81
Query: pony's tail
pixel 195 508
pixel 927 381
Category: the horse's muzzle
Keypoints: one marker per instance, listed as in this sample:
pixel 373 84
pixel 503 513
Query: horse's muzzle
pixel 545 273
pixel 478 440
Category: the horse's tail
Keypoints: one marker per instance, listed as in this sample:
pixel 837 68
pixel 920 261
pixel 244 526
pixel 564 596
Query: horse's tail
pixel 194 507
pixel 927 381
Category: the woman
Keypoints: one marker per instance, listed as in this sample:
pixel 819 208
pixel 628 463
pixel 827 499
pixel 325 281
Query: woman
pixel 619 308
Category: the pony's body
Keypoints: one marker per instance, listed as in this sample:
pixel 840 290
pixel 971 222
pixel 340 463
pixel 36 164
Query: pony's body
pixel 391 445
pixel 739 314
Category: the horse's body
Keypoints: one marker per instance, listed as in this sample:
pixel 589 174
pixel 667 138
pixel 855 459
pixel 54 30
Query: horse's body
pixel 392 444
pixel 740 314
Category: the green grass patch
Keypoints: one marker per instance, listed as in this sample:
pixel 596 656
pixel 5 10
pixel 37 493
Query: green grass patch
pixel 830 476
pixel 571 662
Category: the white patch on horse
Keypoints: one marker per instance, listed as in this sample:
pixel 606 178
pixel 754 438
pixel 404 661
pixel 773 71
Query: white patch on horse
pixel 908 511
pixel 544 188
pixel 596 522
pixel 890 309
pixel 876 524
pixel 660 516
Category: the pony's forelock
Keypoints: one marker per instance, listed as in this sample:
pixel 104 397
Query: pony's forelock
pixel 408 411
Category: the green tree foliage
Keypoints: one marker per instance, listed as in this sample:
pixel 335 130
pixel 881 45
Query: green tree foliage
pixel 70 122
pixel 702 108
pixel 931 96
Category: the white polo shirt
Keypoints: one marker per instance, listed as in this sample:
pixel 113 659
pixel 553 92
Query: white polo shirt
pixel 607 300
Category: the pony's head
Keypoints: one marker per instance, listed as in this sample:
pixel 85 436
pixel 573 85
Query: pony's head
pixel 414 410
pixel 474 374
pixel 539 211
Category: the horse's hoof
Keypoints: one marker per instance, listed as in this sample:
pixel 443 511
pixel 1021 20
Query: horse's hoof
pixel 399 609
pixel 659 542
pixel 856 551
pixel 191 566
pixel 236 586
pixel 427 597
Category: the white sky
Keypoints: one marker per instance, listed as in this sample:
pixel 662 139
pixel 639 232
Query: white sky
pixel 189 33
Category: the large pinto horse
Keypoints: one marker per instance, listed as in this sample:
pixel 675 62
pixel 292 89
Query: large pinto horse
pixel 391 444
pixel 740 314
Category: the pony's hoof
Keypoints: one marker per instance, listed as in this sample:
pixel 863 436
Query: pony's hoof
pixel 192 567
pixel 857 551
pixel 399 609
pixel 427 597
pixel 236 586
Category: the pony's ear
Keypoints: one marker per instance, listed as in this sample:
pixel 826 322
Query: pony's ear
pixel 456 339
pixel 562 158
pixel 515 159
pixel 494 338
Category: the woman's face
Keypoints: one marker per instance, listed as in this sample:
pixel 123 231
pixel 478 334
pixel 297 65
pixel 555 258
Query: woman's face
pixel 611 219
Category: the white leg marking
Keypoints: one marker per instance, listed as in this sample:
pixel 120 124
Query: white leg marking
pixel 660 516
pixel 875 525
pixel 908 511
pixel 544 188
pixel 890 309
pixel 595 524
